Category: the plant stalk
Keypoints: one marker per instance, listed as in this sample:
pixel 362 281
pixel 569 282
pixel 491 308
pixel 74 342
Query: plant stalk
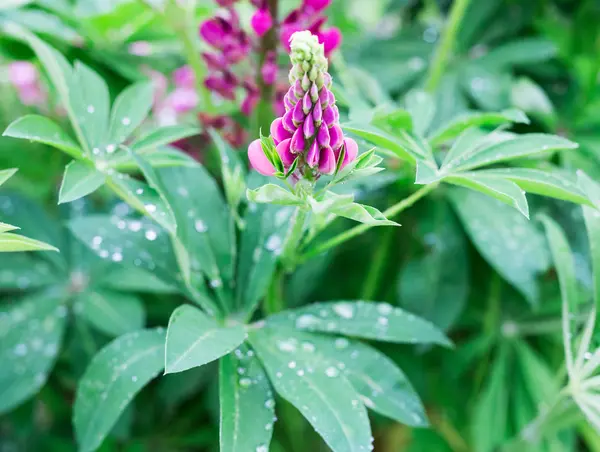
pixel 359 229
pixel 446 46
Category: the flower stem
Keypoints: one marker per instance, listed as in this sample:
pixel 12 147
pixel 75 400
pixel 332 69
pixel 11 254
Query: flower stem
pixel 292 240
pixel 446 46
pixel 377 267
pixel 359 229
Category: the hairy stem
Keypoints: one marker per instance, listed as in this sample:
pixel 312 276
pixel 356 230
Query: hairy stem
pixel 359 229
pixel 446 45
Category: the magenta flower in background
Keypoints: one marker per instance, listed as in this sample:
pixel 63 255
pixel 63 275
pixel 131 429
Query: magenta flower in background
pixel 309 131
pixel 24 76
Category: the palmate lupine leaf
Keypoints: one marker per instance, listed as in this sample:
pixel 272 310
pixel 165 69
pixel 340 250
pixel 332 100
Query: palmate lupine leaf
pixel 80 179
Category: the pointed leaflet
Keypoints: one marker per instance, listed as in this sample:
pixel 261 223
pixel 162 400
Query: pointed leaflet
pixel 7 174
pixel 363 214
pixel 329 403
pixel 232 171
pixel 42 130
pixel 129 110
pixel 503 190
pixel 80 179
pixel 517 147
pixel 382 139
pixel 20 271
pixel 273 194
pixel 592 223
pixel 246 401
pixel 260 245
pixel 115 375
pixel 162 137
pixel 421 106
pixel 554 184
pixel 109 311
pixel 471 141
pixel 464 121
pixel 90 100
pixel 194 339
pixel 10 243
pixel 507 240
pixel 7 227
pixel 30 335
pixel 205 225
pixel 369 320
pixel 157 158
pixel 382 386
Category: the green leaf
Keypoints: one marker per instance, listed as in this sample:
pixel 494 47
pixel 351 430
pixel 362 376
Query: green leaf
pixel 329 403
pixel 7 174
pixel 506 240
pixel 363 214
pixel 115 375
pixel 392 120
pixel 260 246
pixel 148 245
pixel 194 339
pixel 111 312
pixel 427 286
pixel 90 100
pixel 517 147
pixel 531 98
pixel 163 136
pixel 479 119
pixel 164 157
pixel 21 271
pixel 554 184
pixel 592 223
pixel 247 404
pixel 471 141
pixel 369 320
pixel 129 110
pixel 273 194
pixel 42 130
pixel 589 187
pixel 80 180
pixel 491 409
pixel 30 335
pixel 382 139
pixel 524 51
pixel 421 106
pixel 7 227
pixel 503 190
pixel 382 386
pixel 10 243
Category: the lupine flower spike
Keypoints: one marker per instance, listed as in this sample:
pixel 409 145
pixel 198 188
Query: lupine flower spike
pixel 308 135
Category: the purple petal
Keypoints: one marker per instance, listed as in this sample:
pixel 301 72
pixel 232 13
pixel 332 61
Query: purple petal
pixel 306 103
pixel 297 144
pixel 331 98
pixel 259 160
pixel 283 149
pixel 336 137
pixel 329 116
pixel 312 156
pixel 287 103
pixel 298 89
pixel 323 135
pixel 327 161
pixel 309 127
pixel 351 151
pixel 288 123
pixel 336 113
pixel 317 114
pixel 314 92
pixel 324 97
pixel 278 132
pixel 298 114
pixel 261 21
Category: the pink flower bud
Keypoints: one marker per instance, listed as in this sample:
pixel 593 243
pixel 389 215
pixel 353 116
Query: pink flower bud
pixel 249 103
pixel 329 116
pixel 309 127
pixel 287 102
pixel 140 48
pixel 351 151
pixel 331 39
pixel 182 100
pixel 317 114
pixel 298 114
pixel 306 103
pixel 259 160
pixel 261 22
pixel 298 91
pixel 297 145
pixel 22 73
pixel 323 137
pixel 269 71
pixel 336 137
pixel 284 151
pixel 312 156
pixel 214 61
pixel 288 123
pixel 213 32
pixel 278 132
pixel 314 92
pixel 327 161
pixel 184 77
pixel 316 5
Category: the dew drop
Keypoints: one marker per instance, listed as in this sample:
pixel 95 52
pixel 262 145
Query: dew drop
pixel 345 310
pixel 151 235
pixel 126 121
pixel 331 372
pixel 200 226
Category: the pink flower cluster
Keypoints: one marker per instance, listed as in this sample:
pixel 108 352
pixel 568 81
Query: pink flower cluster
pixel 24 76
pixel 231 44
pixel 309 131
